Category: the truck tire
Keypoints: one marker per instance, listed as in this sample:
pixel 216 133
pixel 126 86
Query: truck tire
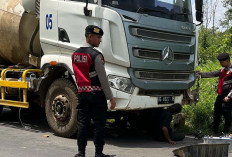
pixel 60 107
pixel 15 110
pixel 1 108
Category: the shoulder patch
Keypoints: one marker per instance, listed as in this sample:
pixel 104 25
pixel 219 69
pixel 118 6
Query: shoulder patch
pixel 102 59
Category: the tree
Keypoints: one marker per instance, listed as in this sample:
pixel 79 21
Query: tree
pixel 207 13
pixel 210 7
pixel 227 22
pixel 214 7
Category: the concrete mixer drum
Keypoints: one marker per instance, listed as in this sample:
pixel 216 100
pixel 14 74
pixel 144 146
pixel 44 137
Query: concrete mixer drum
pixel 19 32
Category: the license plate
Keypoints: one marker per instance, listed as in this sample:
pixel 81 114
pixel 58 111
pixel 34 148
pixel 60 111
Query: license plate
pixel 166 99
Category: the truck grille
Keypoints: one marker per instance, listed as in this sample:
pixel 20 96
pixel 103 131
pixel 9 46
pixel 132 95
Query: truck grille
pixel 156 55
pixel 163 36
pixel 162 76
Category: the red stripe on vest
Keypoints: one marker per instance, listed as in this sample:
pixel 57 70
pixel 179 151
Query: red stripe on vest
pixel 223 75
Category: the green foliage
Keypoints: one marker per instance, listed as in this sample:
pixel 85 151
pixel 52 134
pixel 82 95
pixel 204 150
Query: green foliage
pixel 200 117
pixel 226 43
pixel 211 44
pixel 227 21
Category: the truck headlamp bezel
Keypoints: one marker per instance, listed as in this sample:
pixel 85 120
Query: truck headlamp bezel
pixel 121 83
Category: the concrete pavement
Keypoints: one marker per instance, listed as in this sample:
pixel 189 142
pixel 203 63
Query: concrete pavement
pixel 32 141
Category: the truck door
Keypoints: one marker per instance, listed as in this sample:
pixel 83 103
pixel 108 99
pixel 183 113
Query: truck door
pixel 48 28
pixel 72 22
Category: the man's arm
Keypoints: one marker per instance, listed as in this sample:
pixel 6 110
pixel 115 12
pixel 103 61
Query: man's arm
pixel 166 135
pixel 210 74
pixel 166 121
pixel 100 69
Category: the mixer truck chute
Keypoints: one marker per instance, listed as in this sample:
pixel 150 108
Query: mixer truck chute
pixel 149 49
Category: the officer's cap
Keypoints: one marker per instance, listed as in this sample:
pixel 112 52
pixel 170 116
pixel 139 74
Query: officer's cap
pixel 223 56
pixel 92 29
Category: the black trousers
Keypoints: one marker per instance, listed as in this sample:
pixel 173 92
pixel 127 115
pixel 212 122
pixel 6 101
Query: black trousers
pixel 222 108
pixel 92 105
pixel 175 136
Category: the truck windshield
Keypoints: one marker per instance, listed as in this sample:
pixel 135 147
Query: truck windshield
pixel 179 10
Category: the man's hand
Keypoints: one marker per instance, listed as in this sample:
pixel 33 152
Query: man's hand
pixel 166 135
pixel 226 99
pixel 172 142
pixel 198 73
pixel 113 103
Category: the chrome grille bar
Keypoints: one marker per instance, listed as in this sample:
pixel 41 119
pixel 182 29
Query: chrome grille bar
pixel 162 76
pixel 147 54
pixel 156 55
pixel 163 36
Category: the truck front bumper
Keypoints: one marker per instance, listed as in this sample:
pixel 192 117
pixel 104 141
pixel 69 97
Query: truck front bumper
pixel 134 101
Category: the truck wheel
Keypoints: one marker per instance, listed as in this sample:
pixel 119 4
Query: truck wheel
pixel 15 110
pixel 1 108
pixel 60 107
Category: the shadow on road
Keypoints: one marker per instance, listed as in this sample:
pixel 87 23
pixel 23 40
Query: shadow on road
pixel 25 119
pixel 143 140
pixel 36 122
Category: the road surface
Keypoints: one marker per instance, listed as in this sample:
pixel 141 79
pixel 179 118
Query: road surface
pixel 33 138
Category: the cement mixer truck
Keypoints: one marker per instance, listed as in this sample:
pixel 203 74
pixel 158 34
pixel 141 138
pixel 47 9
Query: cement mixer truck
pixel 150 49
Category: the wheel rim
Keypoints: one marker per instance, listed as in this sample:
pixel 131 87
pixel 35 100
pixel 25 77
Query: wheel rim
pixel 61 109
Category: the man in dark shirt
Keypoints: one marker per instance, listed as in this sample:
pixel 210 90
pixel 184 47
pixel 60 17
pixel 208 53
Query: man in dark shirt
pixel 164 130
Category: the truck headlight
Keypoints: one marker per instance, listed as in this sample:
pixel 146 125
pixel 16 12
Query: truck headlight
pixel 121 83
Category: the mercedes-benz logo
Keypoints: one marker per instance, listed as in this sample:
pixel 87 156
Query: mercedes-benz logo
pixel 167 55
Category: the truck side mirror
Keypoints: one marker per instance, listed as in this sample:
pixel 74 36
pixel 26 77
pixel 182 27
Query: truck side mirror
pixel 199 10
pixel 86 10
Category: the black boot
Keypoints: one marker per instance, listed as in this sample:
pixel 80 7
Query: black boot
pixel 98 152
pixel 80 154
pixel 101 155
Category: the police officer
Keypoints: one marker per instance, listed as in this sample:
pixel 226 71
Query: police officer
pixel 223 101
pixel 93 91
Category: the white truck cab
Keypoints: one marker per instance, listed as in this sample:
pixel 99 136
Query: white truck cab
pixel 149 48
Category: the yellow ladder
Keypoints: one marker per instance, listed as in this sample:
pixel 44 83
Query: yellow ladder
pixel 15 84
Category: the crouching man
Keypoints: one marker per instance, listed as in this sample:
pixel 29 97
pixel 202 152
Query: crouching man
pixel 164 132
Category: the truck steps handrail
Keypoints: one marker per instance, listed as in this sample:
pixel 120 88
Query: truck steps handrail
pixel 15 84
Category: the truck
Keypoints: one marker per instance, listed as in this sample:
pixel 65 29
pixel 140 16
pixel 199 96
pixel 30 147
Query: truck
pixel 149 46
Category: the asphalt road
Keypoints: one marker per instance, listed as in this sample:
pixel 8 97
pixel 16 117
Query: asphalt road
pixel 33 138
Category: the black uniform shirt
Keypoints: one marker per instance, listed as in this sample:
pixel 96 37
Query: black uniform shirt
pixel 165 119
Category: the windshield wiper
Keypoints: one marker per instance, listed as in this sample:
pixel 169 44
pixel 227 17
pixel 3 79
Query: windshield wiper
pixel 140 9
